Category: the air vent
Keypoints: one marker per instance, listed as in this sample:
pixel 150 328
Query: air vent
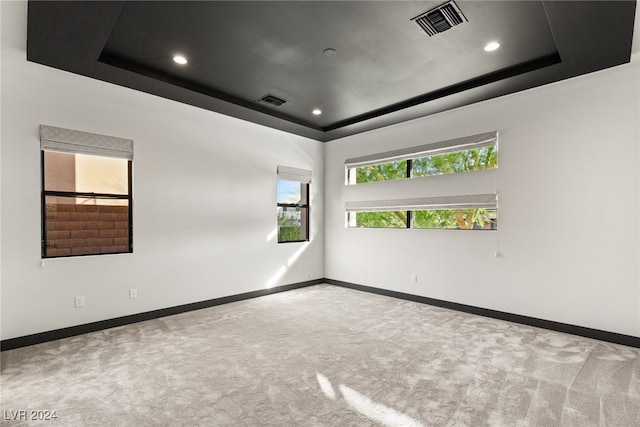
pixel 273 100
pixel 440 19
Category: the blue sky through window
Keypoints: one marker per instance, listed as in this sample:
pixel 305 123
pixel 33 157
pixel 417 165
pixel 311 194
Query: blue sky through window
pixel 288 191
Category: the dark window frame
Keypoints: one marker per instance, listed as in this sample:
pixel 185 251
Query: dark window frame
pixel 43 215
pixel 410 224
pixel 302 206
pixel 409 167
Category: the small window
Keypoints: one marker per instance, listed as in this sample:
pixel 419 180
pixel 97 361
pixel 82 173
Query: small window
pixel 457 161
pixel 453 219
pixel 392 219
pixel 86 196
pixel 462 212
pixel 379 172
pixel 293 211
pixel 469 153
pixel 459 219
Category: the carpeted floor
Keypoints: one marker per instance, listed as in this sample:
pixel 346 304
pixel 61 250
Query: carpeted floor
pixel 323 356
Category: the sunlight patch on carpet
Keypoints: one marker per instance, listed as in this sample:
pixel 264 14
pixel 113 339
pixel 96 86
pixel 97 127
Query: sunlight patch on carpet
pixel 377 411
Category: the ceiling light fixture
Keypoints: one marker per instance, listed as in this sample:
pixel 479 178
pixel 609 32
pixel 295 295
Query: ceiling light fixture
pixel 330 53
pixel 179 59
pixel 317 112
pixel 490 47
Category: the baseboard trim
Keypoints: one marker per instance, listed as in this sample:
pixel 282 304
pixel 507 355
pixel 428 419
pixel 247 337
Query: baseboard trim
pixel 597 334
pixel 72 331
pixel 13 343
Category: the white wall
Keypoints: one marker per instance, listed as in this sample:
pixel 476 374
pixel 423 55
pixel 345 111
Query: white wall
pixel 204 203
pixel 569 191
pixel 204 199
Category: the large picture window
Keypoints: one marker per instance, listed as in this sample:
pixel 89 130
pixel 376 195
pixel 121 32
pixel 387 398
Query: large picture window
pixel 86 193
pixel 293 204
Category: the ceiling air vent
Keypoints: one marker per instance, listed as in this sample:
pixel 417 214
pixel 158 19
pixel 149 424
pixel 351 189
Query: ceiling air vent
pixel 440 19
pixel 273 100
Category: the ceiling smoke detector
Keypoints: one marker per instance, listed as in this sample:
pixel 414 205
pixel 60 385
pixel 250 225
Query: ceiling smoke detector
pixel 440 19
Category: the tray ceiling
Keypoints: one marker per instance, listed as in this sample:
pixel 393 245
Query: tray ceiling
pixel 364 64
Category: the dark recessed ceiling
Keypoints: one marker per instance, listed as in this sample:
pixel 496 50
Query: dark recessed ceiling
pixel 384 68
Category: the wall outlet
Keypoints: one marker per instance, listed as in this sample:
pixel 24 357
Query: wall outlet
pixel 79 301
pixel 133 293
pixel 414 278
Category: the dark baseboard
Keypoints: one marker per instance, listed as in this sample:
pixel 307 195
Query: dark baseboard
pixel 72 331
pixel 57 334
pixel 597 334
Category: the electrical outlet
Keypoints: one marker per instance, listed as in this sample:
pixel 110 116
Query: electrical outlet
pixel 414 278
pixel 79 301
pixel 133 293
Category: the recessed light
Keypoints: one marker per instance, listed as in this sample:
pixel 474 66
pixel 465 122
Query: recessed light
pixel 317 112
pixel 179 59
pixel 490 47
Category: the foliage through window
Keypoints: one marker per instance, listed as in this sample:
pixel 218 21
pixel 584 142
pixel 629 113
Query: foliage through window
pixel 458 161
pixel 391 219
pixel 465 154
pixel 381 172
pixel 457 219
pixel 293 211
pixel 460 219
pixel 474 159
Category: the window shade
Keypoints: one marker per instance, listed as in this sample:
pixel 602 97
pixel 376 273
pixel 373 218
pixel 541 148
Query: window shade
pixel 294 174
pixel 486 201
pixel 458 144
pixel 73 141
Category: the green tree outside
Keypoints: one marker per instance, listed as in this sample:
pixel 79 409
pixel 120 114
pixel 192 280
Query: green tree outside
pixel 460 161
pixel 288 227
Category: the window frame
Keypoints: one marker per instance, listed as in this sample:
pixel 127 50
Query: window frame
pixel 410 206
pixel 410 221
pixel 306 206
pixel 43 215
pixel 456 145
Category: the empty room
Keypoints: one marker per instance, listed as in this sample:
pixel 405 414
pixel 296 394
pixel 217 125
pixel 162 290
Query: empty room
pixel 320 213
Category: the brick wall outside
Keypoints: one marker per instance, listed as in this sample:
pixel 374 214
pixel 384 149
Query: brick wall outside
pixel 86 229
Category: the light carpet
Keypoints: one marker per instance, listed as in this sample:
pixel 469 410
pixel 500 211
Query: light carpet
pixel 323 356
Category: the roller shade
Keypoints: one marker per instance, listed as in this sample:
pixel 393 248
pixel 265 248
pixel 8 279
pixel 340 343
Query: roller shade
pixel 486 201
pixel 294 174
pixel 73 141
pixel 458 144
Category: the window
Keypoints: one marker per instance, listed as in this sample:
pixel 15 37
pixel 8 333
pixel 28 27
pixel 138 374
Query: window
pixel 471 153
pixel 459 219
pixel 463 212
pixel 469 212
pixel 388 219
pixel 293 204
pixel 379 172
pixel 86 193
pixel 457 161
